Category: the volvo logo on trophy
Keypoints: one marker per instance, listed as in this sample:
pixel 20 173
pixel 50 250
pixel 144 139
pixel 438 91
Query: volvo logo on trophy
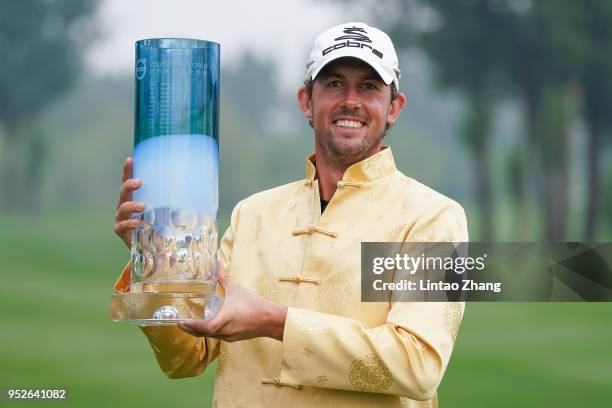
pixel 176 155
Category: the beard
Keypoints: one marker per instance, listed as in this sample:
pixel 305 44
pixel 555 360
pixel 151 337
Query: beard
pixel 348 150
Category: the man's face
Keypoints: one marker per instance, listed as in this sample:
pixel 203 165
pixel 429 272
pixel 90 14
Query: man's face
pixel 350 107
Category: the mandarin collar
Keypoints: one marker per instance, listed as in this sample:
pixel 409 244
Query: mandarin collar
pixel 373 168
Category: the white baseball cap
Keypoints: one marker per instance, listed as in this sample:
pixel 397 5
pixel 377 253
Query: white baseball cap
pixel 357 40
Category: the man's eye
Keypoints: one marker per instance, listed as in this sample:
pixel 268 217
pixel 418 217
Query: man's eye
pixel 370 86
pixel 334 84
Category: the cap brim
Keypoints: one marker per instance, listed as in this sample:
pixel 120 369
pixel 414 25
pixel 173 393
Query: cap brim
pixel 372 60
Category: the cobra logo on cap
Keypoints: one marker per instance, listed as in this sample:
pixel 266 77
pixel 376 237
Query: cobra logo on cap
pixel 356 37
pixel 354 33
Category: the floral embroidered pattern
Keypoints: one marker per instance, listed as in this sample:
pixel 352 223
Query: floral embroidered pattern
pixel 453 313
pixel 256 225
pixel 378 194
pixel 334 297
pixel 377 166
pixel 304 242
pixel 266 284
pixel 223 355
pixel 370 373
pixel 309 324
pixel 396 234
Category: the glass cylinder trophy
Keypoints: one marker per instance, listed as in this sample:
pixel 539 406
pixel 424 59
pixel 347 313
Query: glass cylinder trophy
pixel 176 155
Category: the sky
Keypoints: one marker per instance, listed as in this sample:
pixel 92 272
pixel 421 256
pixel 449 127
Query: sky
pixel 282 31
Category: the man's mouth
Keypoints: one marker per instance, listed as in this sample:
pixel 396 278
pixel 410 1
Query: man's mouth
pixel 350 124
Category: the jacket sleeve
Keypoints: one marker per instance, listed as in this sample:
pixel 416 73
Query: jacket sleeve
pixel 407 355
pixel 178 353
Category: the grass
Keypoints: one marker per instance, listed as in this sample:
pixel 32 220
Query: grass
pixel 531 354
pixel 57 277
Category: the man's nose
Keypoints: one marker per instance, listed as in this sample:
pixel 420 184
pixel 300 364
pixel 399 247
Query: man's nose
pixel 352 98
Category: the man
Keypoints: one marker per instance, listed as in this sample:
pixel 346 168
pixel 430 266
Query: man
pixel 293 331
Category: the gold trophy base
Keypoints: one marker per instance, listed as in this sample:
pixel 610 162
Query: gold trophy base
pixel 148 308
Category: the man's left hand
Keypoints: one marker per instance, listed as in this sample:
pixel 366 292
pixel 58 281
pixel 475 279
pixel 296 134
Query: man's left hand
pixel 244 315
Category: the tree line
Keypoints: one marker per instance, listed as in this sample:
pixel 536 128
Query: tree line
pixel 555 58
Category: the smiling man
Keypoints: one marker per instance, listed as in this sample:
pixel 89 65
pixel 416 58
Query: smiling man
pixel 293 331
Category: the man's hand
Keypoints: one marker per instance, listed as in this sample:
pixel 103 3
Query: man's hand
pixel 244 315
pixel 124 224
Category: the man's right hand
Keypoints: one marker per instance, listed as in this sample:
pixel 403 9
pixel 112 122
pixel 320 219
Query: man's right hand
pixel 124 223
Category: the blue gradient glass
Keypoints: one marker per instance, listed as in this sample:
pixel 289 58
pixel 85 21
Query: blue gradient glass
pixel 176 155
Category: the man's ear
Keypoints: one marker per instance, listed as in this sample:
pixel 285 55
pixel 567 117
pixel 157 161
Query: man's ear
pixel 305 102
pixel 396 108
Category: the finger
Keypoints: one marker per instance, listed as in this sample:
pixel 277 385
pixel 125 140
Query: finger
pixel 199 332
pixel 125 192
pixel 126 209
pixel 126 226
pixel 189 330
pixel 127 169
pixel 196 327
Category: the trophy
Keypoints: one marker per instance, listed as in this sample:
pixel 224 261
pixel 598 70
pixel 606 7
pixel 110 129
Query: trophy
pixel 176 155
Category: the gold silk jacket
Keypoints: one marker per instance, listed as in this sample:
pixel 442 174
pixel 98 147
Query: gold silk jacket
pixel 336 350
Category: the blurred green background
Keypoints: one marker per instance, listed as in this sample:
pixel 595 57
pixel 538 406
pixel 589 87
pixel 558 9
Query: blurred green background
pixel 508 112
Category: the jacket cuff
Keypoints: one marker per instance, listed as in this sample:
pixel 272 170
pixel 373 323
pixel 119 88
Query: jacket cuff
pixel 123 283
pixel 306 343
